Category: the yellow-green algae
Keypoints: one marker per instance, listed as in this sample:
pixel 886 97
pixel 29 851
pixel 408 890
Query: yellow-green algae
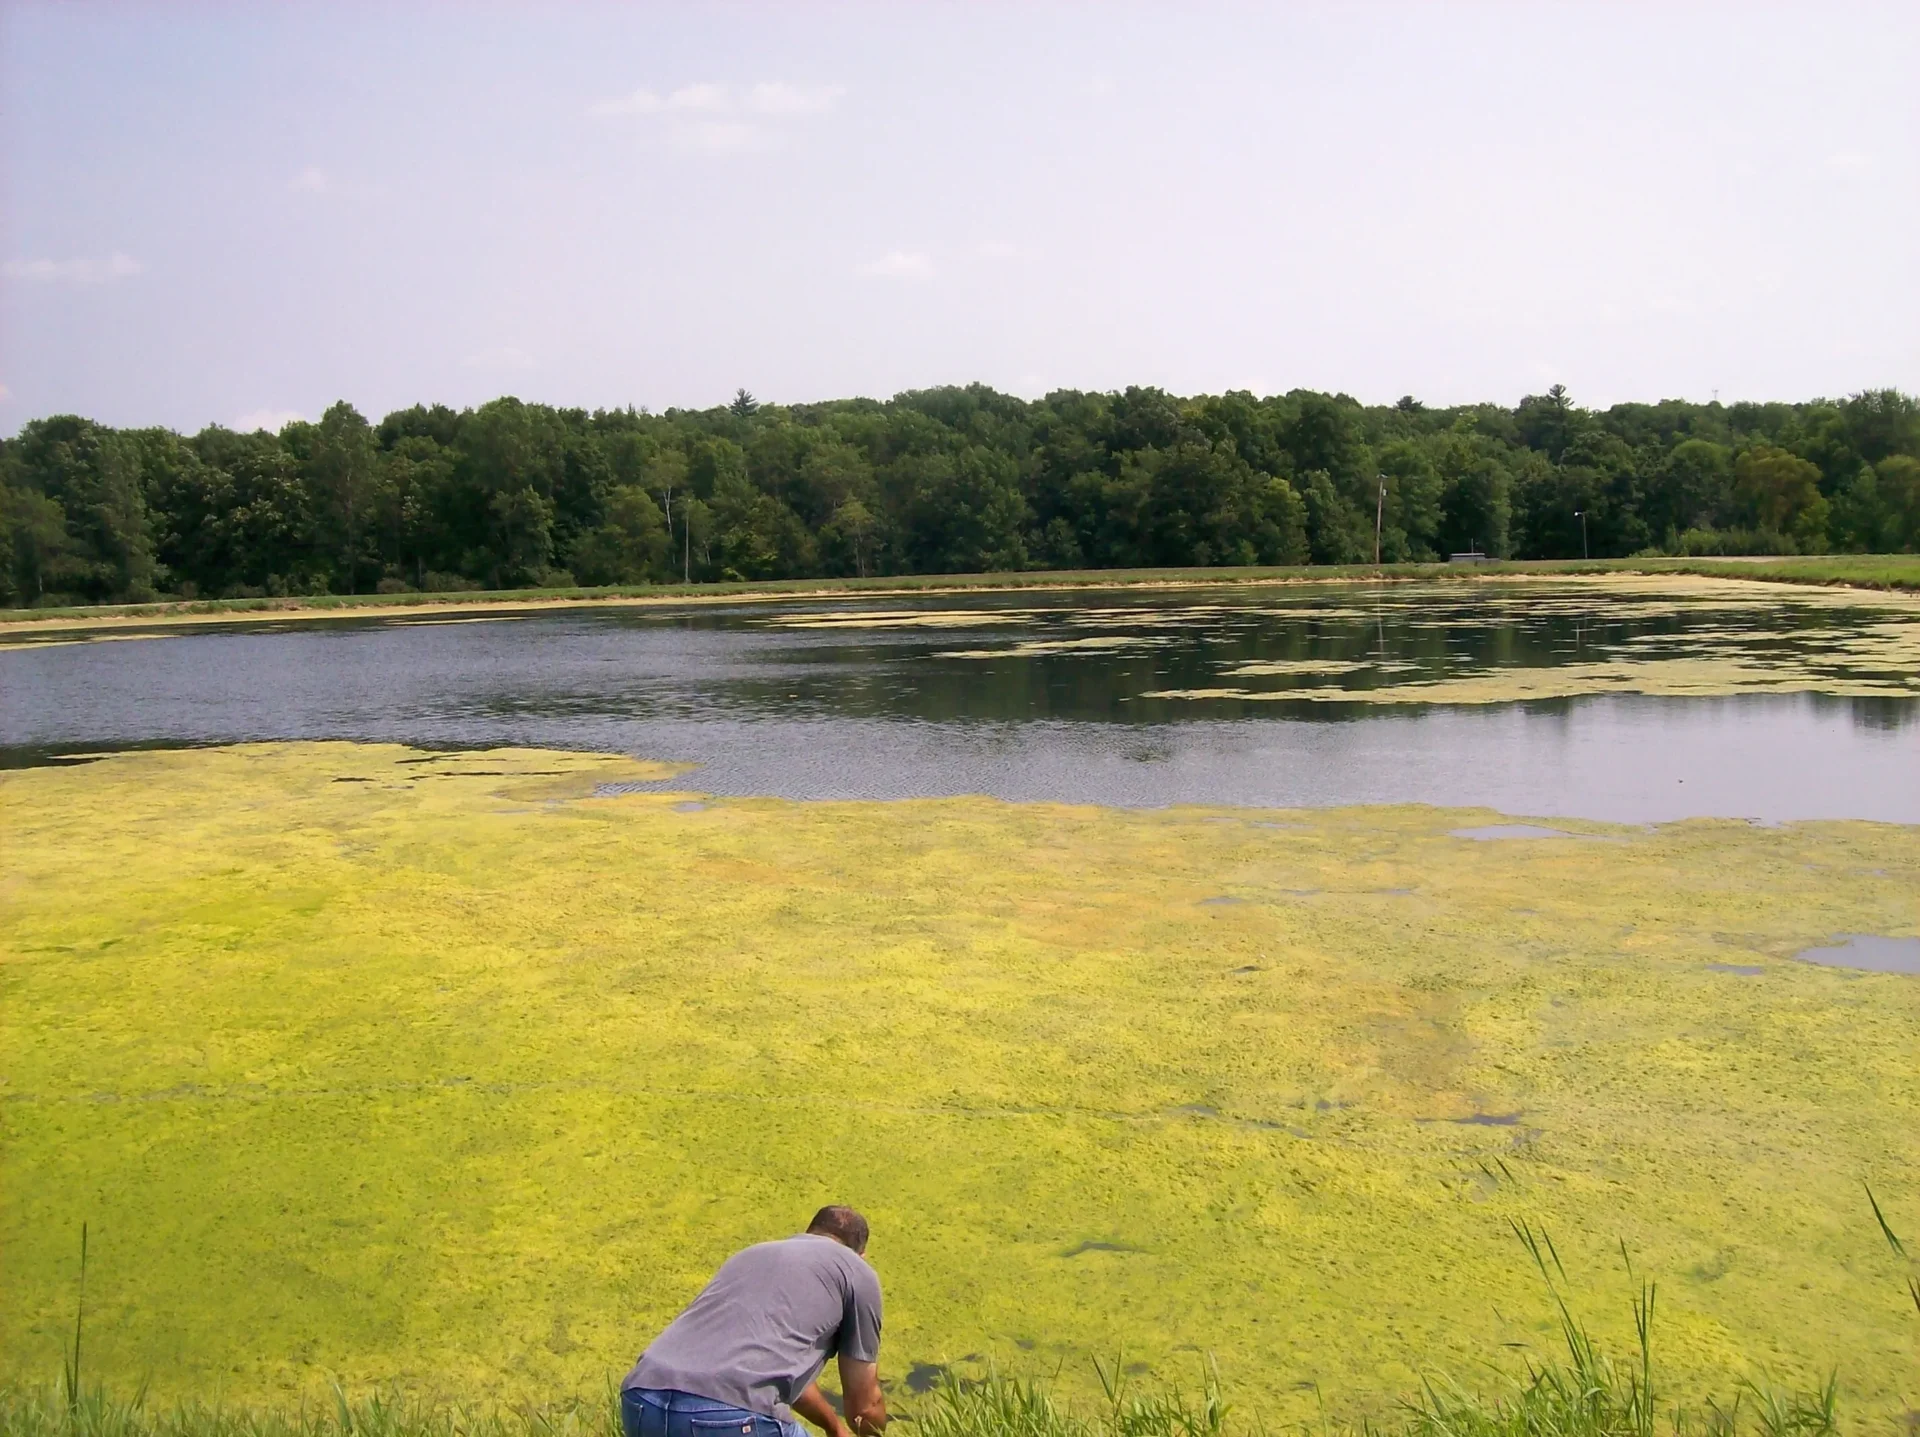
pixel 1672 678
pixel 1877 657
pixel 1026 648
pixel 392 1066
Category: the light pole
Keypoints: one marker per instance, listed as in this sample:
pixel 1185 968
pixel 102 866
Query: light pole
pixel 1581 515
pixel 1379 513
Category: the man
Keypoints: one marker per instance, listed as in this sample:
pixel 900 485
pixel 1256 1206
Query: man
pixel 742 1360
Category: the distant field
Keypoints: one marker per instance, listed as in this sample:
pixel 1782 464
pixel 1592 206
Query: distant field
pixel 1873 571
pixel 432 1069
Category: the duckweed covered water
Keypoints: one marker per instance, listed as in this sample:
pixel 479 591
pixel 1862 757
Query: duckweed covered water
pixel 425 1068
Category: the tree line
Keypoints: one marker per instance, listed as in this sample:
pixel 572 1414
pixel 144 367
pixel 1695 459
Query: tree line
pixel 949 480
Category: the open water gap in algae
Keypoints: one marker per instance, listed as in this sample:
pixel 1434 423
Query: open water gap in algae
pixel 1623 699
pixel 418 1065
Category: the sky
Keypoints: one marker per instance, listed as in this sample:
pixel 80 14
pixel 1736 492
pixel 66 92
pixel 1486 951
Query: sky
pixel 239 213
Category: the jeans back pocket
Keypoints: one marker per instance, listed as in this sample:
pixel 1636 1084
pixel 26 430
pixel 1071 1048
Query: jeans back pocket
pixel 713 1425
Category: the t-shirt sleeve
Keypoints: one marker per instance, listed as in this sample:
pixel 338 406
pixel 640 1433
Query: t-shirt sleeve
pixel 859 1336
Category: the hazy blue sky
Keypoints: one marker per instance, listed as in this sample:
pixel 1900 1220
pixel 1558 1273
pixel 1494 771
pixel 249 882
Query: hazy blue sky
pixel 221 212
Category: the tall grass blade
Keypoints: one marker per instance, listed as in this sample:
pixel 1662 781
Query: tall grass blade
pixel 1913 1283
pixel 1881 1218
pixel 71 1367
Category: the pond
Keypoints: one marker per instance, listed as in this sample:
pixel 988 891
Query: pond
pixel 1630 700
pixel 1874 953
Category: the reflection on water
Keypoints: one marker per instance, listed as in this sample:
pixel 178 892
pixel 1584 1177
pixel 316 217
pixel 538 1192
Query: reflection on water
pixel 1028 696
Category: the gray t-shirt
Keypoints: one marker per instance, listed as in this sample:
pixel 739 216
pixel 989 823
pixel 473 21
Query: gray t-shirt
pixel 766 1324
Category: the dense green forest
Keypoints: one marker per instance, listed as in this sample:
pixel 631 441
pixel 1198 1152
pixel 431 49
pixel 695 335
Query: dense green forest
pixel 954 480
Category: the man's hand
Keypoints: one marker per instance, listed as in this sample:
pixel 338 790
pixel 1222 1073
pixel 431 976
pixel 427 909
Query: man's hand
pixel 813 1405
pixel 860 1394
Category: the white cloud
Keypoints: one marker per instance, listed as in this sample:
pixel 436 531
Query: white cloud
pixel 312 180
pixel 1850 160
pixel 72 271
pixel 783 99
pixel 999 249
pixel 271 420
pixel 500 356
pixel 901 264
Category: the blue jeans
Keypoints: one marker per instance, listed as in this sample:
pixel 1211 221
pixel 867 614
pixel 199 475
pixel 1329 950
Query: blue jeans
pixel 663 1412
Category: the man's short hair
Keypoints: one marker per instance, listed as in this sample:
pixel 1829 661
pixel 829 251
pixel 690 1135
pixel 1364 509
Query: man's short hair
pixel 842 1224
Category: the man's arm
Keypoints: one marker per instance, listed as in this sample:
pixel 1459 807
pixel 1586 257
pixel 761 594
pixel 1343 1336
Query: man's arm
pixel 861 1396
pixel 813 1405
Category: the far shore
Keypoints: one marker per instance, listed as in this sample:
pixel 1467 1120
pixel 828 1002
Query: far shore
pixel 1885 573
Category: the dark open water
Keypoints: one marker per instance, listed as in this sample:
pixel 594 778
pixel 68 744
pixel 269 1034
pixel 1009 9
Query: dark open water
pixel 892 707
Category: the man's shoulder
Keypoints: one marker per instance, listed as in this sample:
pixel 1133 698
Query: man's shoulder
pixel 821 1251
pixel 857 1270
pixel 814 1251
pixel 808 1252
pixel 804 1250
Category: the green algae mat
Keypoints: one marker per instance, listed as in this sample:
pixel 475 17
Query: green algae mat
pixel 441 1070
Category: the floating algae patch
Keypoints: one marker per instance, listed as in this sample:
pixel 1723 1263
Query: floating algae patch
pixel 1692 678
pixel 902 618
pixel 1183 614
pixel 394 1079
pixel 61 640
pixel 409 622
pixel 1571 590
pixel 1493 641
pixel 1028 648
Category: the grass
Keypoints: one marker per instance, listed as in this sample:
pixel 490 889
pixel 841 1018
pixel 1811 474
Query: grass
pixel 1561 1402
pixel 30 1412
pixel 1871 571
pixel 1582 1391
pixel 435 1074
pixel 1861 571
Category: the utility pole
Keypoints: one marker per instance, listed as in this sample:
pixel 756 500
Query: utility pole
pixel 1379 513
pixel 1581 515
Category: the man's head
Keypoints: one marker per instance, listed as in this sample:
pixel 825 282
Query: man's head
pixel 842 1224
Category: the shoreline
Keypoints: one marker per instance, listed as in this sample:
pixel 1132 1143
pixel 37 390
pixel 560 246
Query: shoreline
pixel 1903 579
